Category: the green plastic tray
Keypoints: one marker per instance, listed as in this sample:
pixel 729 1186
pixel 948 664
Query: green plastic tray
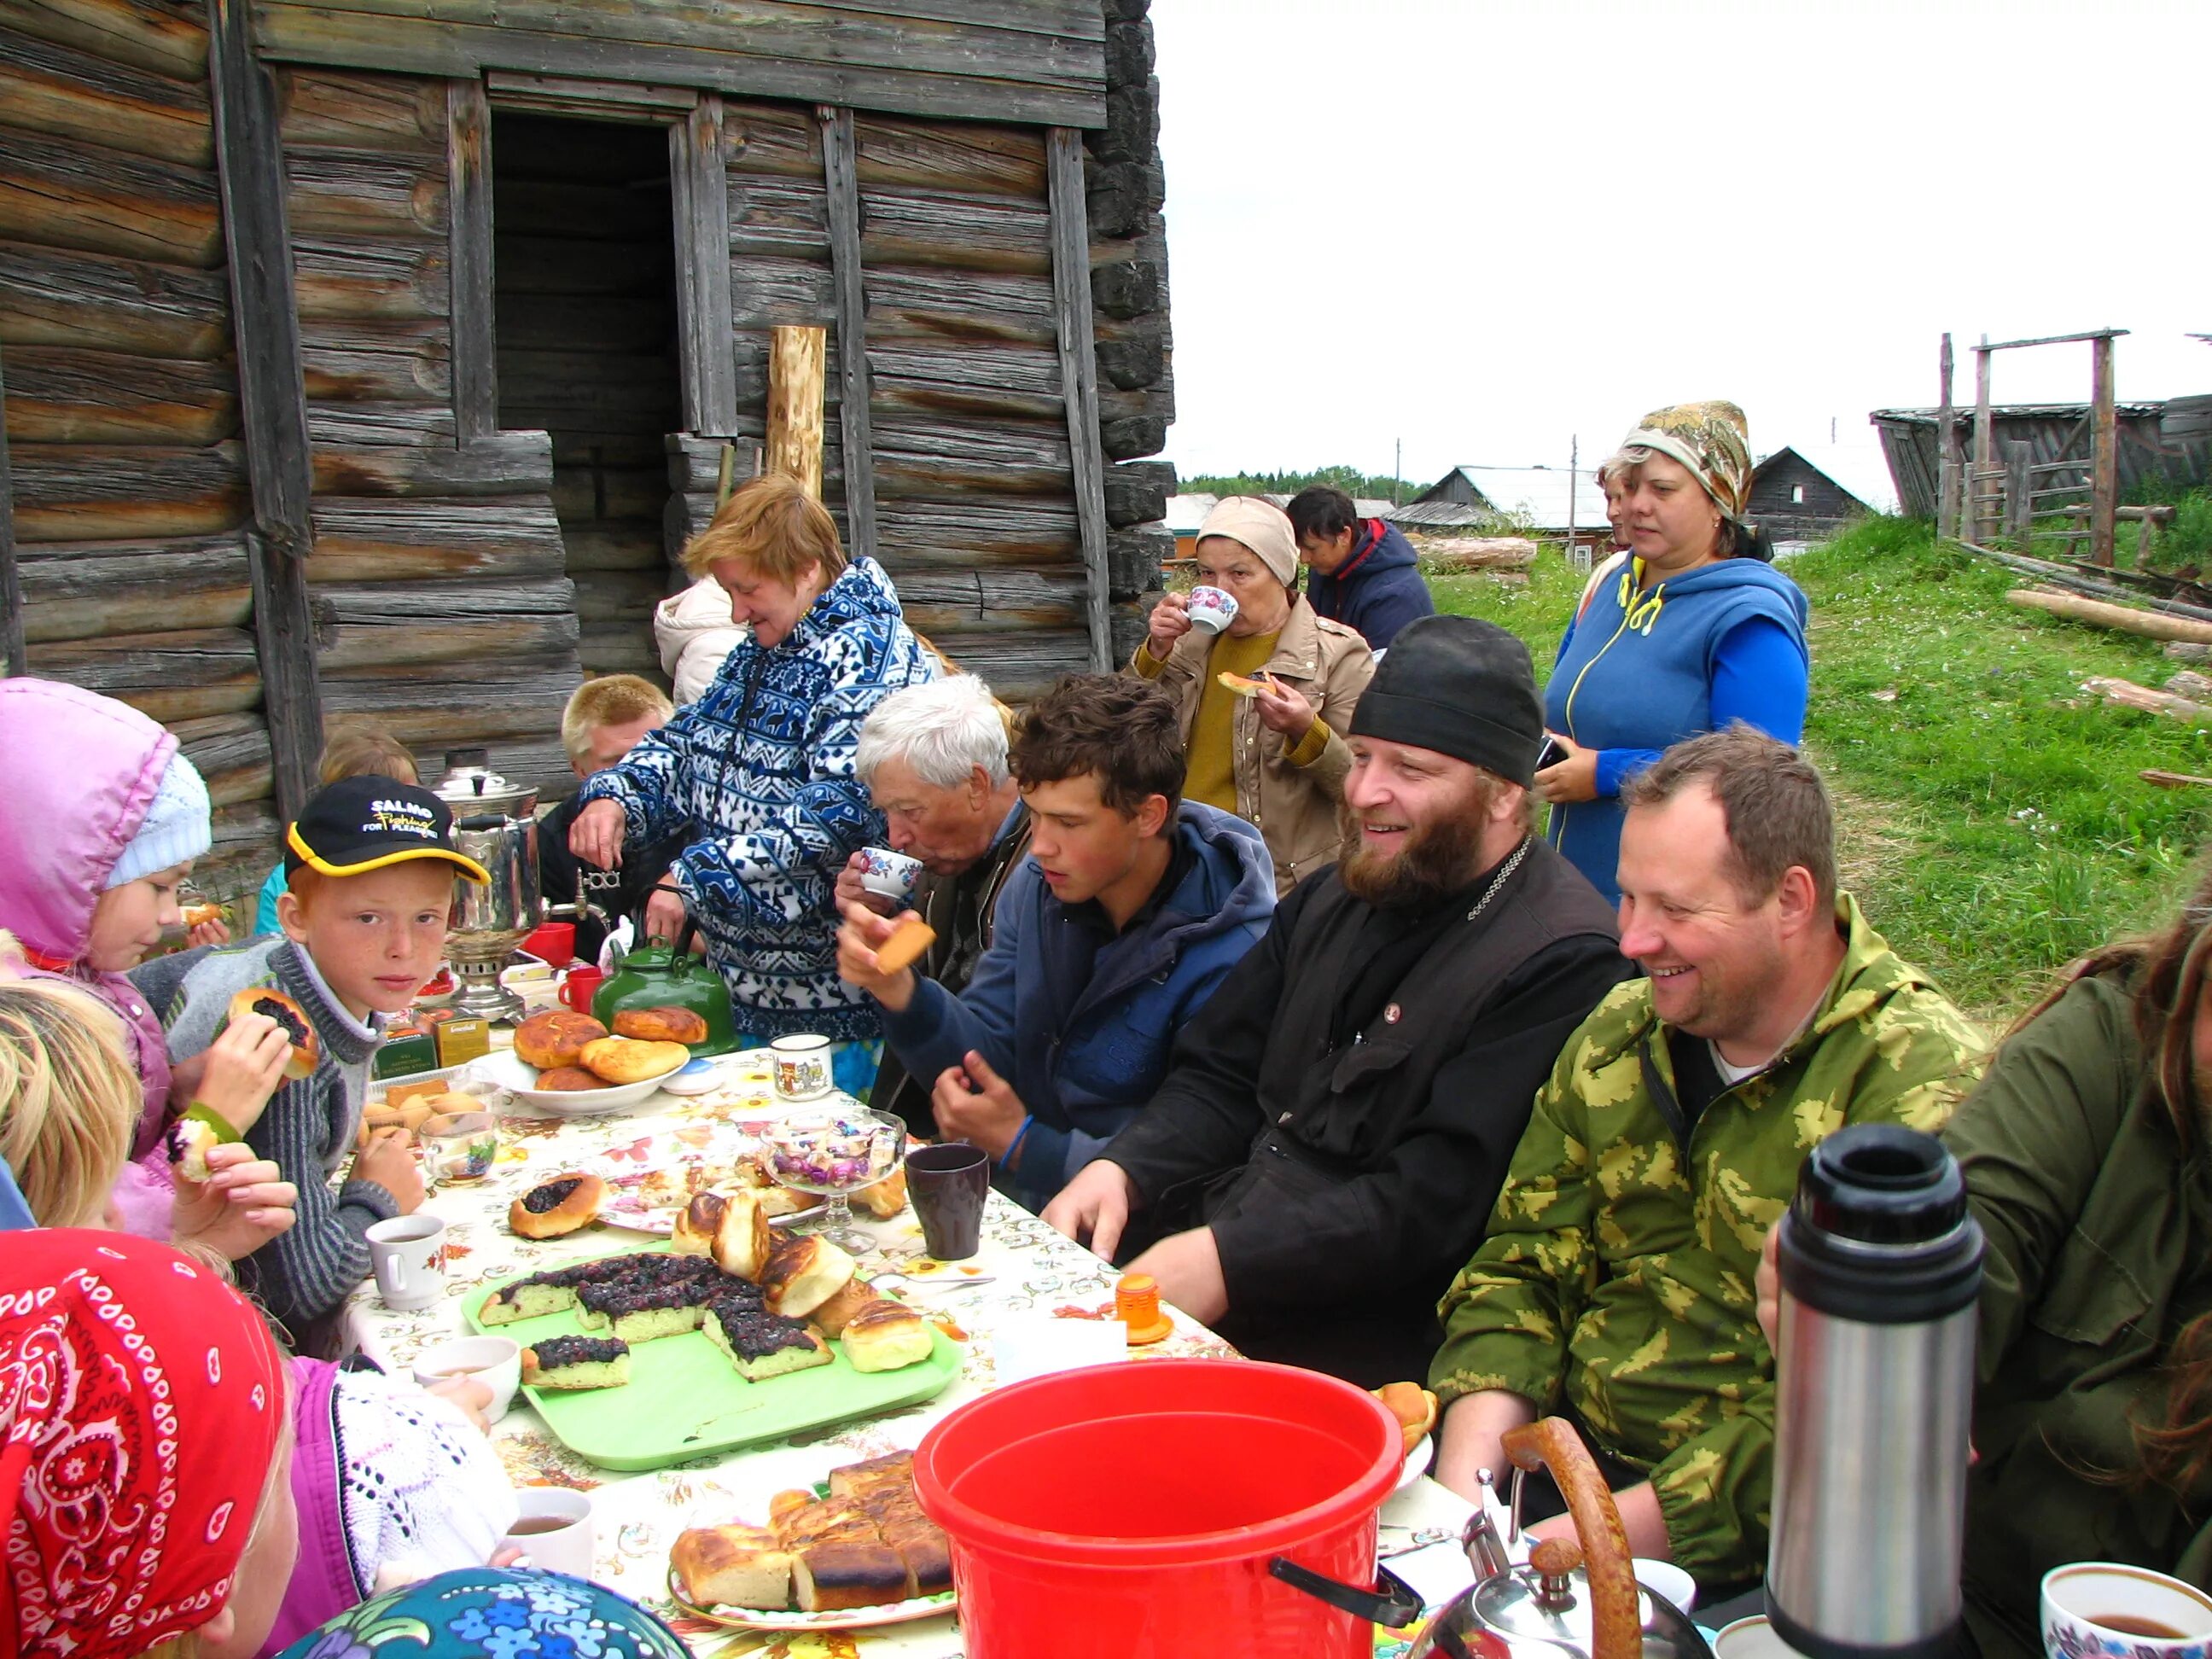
pixel 684 1400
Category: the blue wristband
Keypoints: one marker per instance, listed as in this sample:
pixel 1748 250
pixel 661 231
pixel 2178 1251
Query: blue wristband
pixel 1015 1145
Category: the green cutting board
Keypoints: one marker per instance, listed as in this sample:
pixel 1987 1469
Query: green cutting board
pixel 685 1400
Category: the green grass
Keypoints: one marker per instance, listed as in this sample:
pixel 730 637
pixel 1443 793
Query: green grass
pixel 1991 819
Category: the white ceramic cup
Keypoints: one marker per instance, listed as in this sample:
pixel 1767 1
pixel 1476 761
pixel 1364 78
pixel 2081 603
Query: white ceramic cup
pixel 1210 609
pixel 1754 1637
pixel 494 1361
pixel 892 874
pixel 554 1530
pixel 802 1066
pixel 1664 1578
pixel 1040 1345
pixel 2101 1610
pixel 408 1255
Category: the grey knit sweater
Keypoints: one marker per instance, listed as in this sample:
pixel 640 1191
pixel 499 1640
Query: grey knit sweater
pixel 309 1126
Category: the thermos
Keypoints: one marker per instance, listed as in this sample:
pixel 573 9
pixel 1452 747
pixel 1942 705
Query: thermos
pixel 1880 1267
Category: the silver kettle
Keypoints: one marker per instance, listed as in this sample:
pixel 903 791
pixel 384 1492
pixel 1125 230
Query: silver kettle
pixel 1581 1599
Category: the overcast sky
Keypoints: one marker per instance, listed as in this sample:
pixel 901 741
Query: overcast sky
pixel 1485 227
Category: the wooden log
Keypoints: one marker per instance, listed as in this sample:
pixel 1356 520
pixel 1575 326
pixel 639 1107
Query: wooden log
pixel 385 115
pixel 2126 694
pixel 2150 624
pixel 74 96
pixel 909 304
pixel 1981 521
pixel 963 604
pixel 771 141
pixel 766 292
pixel 466 647
pixel 81 195
pixel 576 98
pixel 856 420
pixel 1948 465
pixel 798 371
pixel 374 360
pixel 87 590
pixel 57 298
pixel 969 233
pixel 1071 277
pixel 701 196
pixel 167 674
pixel 2103 449
pixel 166 37
pixel 1457 553
pixel 346 424
pixel 231 754
pixel 778 218
pixel 12 630
pixel 976 382
pixel 942 461
pixel 2164 779
pixel 2188 683
pixel 426 539
pixel 340 195
pixel 1137 492
pixel 1020 664
pixel 1008 531
pixel 80 492
pixel 342 279
pixel 64 395
pixel 950 155
pixel 695 466
pixel 627 596
pixel 504 464
pixel 624 647
pixel 424 703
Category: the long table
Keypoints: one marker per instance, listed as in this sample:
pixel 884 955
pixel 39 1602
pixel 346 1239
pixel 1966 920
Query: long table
pixel 1023 1267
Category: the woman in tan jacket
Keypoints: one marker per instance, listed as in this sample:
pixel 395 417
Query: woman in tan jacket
pixel 1276 757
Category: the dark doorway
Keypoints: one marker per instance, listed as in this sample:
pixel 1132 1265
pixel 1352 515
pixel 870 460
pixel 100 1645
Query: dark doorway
pixel 585 277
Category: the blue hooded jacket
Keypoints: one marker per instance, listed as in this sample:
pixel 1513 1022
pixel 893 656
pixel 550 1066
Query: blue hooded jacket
pixel 1642 669
pixel 1085 1038
pixel 1378 590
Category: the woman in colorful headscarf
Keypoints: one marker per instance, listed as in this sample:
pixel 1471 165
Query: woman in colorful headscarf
pixel 1694 632
pixel 144 1507
pixel 494 1612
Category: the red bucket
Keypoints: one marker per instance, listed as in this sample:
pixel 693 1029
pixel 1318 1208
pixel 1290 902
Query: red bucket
pixel 1167 1507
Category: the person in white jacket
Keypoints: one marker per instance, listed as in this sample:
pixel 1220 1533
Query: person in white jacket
pixel 694 633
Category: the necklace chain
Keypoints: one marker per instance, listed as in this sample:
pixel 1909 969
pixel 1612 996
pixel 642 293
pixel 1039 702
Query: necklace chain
pixel 1504 871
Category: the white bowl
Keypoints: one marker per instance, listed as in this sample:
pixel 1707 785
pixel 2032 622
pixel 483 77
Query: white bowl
pixel 508 1070
pixel 494 1361
pixel 1664 1578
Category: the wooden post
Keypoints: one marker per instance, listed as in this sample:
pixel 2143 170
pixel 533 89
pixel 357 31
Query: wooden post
pixel 11 582
pixel 797 380
pixel 700 176
pixel 1078 373
pixel 1979 514
pixel 272 399
pixel 2104 451
pixel 1947 453
pixel 468 223
pixel 841 177
pixel 2020 507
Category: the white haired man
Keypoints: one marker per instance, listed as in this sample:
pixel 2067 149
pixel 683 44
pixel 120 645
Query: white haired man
pixel 934 757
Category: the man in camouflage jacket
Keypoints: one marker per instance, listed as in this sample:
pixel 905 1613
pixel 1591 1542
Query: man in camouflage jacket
pixel 1615 1282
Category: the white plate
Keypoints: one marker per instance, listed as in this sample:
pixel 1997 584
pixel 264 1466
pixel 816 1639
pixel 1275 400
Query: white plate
pixel 626 1167
pixel 866 1617
pixel 1417 1462
pixel 512 1075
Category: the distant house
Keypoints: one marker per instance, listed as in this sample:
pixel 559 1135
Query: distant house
pixel 1547 501
pixel 1794 500
pixel 1186 512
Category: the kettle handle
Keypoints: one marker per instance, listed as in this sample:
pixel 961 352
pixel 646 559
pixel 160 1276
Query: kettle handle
pixel 1616 1619
pixel 1393 1602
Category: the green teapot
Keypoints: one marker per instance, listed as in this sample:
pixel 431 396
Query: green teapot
pixel 670 976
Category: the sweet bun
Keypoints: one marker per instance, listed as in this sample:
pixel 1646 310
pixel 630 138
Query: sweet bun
pixel 886 1198
pixel 831 1576
pixel 831 1317
pixel 557 1206
pixel 885 1336
pixel 908 940
pixel 625 1060
pixel 288 1014
pixel 198 916
pixel 743 1241
pixel 1414 1408
pixel 741 1566
pixel 190 1142
pixel 1243 686
pixel 696 1223
pixel 660 1024
pixel 802 1273
pixel 555 1037
pixel 565 1080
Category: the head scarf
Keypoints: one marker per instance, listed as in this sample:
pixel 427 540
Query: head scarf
pixel 493 1612
pixel 140 1404
pixel 1260 525
pixel 1711 439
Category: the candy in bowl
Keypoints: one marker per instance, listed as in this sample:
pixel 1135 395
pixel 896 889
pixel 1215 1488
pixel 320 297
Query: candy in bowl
pixel 835 1152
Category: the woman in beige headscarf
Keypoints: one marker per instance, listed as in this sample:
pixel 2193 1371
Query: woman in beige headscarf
pixel 1695 630
pixel 1274 756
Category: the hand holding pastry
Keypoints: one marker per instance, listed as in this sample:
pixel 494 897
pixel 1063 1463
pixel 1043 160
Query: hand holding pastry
pixel 864 934
pixel 241 1070
pixel 244 1203
pixel 389 1161
pixel 1281 709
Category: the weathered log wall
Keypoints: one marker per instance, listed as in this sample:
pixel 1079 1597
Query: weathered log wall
pixel 122 415
pixel 443 609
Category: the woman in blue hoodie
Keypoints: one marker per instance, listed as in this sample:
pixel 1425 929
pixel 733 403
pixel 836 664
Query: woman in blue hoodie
pixel 1694 632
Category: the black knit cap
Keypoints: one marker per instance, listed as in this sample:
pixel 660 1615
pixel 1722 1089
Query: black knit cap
pixel 1462 687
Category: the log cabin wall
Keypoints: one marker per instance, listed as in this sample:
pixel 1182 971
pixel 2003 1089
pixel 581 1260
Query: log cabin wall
pixel 129 481
pixel 444 611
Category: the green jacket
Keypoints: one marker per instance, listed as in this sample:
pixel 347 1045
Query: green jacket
pixel 2099 1231
pixel 1616 1280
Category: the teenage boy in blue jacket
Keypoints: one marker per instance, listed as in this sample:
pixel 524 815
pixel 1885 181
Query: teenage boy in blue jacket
pixel 1131 909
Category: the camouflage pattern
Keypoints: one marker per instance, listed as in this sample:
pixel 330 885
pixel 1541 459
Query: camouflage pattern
pixel 1616 1278
pixel 1711 439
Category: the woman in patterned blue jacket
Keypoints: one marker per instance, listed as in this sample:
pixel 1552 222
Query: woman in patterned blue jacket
pixel 757 775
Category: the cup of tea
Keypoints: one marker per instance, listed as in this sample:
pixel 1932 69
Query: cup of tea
pixel 1754 1637
pixel 1210 609
pixel 458 1146
pixel 2103 1610
pixel 948 1185
pixel 408 1255
pixel 581 986
pixel 891 874
pixel 554 1530
pixel 494 1361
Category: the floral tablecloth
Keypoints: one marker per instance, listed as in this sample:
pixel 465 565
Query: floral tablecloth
pixel 1023 1267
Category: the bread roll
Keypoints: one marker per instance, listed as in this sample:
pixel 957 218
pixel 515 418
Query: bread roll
pixel 625 1060
pixel 568 1079
pixel 668 1024
pixel 743 1239
pixel 886 1198
pixel 695 1223
pixel 830 1576
pixel 1414 1408
pixel 190 1142
pixel 554 1208
pixel 928 1561
pixel 555 1037
pixel 802 1273
pixel 743 1566
pixel 886 1337
pixel 895 1471
pixel 830 1317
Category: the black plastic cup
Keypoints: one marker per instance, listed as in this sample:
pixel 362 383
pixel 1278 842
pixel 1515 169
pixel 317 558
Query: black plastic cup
pixel 948 1185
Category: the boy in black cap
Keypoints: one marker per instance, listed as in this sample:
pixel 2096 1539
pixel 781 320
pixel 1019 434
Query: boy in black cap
pixel 370 867
pixel 1335 1122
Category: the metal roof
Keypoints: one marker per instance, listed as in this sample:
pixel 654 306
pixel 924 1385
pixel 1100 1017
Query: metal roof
pixel 1538 493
